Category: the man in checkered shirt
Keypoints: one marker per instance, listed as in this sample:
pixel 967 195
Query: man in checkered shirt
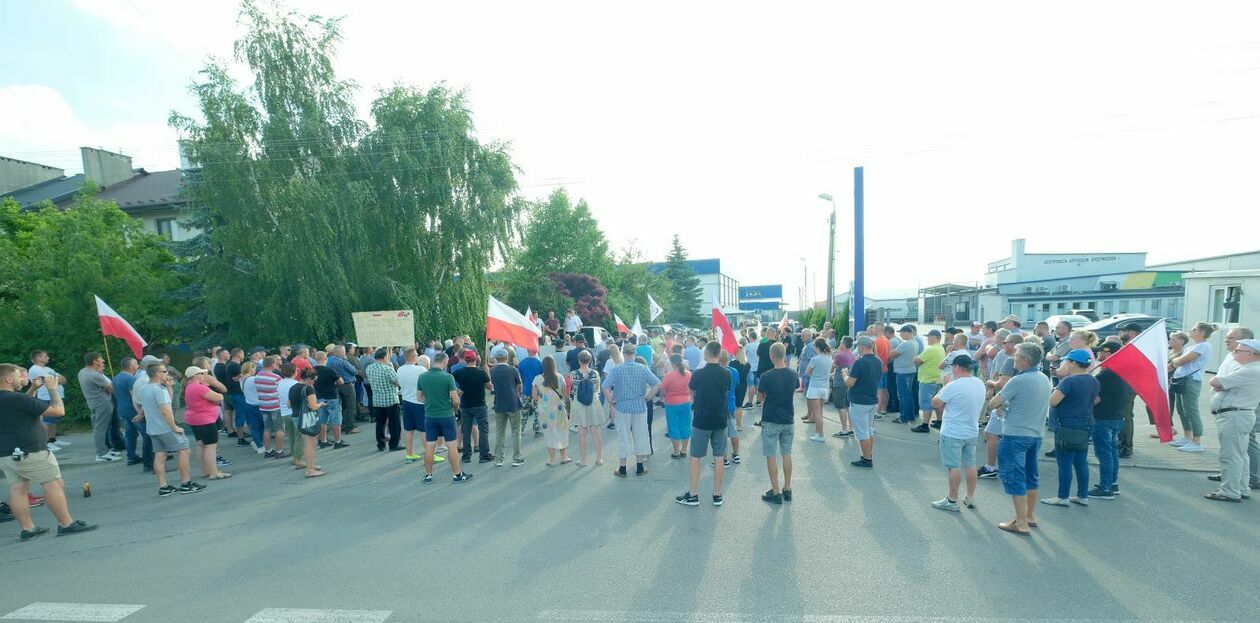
pixel 628 388
pixel 385 402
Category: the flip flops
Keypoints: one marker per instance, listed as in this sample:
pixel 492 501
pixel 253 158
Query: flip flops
pixel 316 474
pixel 1219 497
pixel 1010 527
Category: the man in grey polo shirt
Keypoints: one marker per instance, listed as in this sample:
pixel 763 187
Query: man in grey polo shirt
pixel 1023 404
pixel 1234 398
pixel 903 367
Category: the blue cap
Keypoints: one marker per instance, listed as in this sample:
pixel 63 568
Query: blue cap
pixel 1080 356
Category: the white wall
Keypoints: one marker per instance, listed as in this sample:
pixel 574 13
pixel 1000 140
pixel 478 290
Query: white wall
pixel 1198 307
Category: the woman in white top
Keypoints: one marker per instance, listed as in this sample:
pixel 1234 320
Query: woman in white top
pixel 614 359
pixel 1187 372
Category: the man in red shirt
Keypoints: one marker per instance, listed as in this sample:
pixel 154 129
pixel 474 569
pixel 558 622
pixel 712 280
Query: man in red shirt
pixel 882 346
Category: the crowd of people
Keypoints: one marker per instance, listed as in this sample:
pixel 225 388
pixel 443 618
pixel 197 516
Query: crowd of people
pixel 991 381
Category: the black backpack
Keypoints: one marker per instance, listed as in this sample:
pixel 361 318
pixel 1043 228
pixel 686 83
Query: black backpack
pixel 586 389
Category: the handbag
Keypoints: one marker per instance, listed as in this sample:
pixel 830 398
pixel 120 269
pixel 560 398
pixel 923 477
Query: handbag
pixel 1177 385
pixel 1071 439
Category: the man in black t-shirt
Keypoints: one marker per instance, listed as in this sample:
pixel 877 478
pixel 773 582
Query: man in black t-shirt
pixel 709 385
pixel 764 365
pixel 863 382
pixel 235 403
pixel 473 381
pixel 327 391
pixel 777 389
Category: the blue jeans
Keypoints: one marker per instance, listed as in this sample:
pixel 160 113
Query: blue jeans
pixel 1068 460
pixel 135 434
pixel 240 409
pixel 253 417
pixel 905 397
pixel 1106 435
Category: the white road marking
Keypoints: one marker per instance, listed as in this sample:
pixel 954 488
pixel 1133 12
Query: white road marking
pixel 305 615
pixel 614 616
pixel 95 613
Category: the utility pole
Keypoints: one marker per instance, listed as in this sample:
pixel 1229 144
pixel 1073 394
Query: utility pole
pixel 831 267
pixel 858 312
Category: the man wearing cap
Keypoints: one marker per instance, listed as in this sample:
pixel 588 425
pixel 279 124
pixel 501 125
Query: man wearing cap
pixel 1127 332
pixel 903 367
pixel 507 407
pixel 862 380
pixel 1234 399
pixel 1012 323
pixel 1229 364
pixel 975 337
pixel 1115 400
pixel 959 404
pixel 473 381
pixel 929 363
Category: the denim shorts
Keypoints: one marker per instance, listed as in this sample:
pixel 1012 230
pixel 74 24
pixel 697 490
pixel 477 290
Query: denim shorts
pixel 413 416
pixel 272 421
pixel 702 440
pixel 927 391
pixel 330 414
pixel 169 442
pixel 994 427
pixel 443 427
pixel 776 439
pixel 1017 463
pixel 958 453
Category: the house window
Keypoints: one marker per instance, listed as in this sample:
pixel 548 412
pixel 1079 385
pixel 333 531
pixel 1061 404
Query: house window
pixel 1107 307
pixel 165 228
pixel 1045 308
pixel 1155 305
pixel 1225 303
pixel 1061 307
pixel 1124 307
pixel 1032 312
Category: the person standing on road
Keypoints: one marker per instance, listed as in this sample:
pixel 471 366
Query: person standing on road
pixel 629 387
pixel 473 381
pixel 959 404
pixel 709 385
pixel 531 367
pixel 863 381
pixel 817 386
pixel 807 353
pixel 159 422
pixel 929 376
pixel 39 370
pixel 1229 364
pixel 586 412
pixel 412 409
pixel 753 359
pixel 1072 411
pixel 384 383
pixel 903 367
pixel 551 398
pixel 1115 398
pixel 841 361
pixel 98 391
pixel 778 417
pixel 1023 403
pixel 201 414
pixel 507 409
pixel 345 391
pixel 743 368
pixel 1188 371
pixel 126 410
pixel 302 400
pixel 1234 399
pixel 327 380
pixel 22 434
pixel 675 389
pixel 437 390
pixel 764 365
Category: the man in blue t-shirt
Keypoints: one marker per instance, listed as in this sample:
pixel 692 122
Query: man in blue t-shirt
pixel 529 368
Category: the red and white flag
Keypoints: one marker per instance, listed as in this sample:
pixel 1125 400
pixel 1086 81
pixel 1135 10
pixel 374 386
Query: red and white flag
pixel 1142 364
pixel 621 326
pixel 783 324
pixel 507 324
pixel 725 334
pixel 116 326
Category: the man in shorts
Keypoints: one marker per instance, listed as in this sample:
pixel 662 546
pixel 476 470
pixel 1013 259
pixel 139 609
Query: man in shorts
pixel 167 436
pixel 268 384
pixel 732 431
pixel 22 434
pixel 327 382
pixel 776 389
pixel 863 382
pixel 710 385
pixel 437 390
pixel 412 408
pixel 959 404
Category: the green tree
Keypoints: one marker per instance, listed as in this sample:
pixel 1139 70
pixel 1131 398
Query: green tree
pixel 684 288
pixel 308 216
pixel 629 284
pixel 53 261
pixel 561 237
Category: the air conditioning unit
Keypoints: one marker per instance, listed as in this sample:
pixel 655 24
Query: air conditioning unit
pixel 1108 285
pixel 1028 289
pixel 1065 289
pixel 1042 289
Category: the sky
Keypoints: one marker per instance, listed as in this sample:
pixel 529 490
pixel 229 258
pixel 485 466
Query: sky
pixel 1079 126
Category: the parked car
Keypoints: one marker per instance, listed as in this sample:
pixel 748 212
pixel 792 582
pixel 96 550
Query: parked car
pixel 1109 326
pixel 1075 320
pixel 1086 312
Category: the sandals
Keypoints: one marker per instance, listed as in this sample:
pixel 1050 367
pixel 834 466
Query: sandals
pixel 1010 527
pixel 566 461
pixel 1219 497
pixel 219 476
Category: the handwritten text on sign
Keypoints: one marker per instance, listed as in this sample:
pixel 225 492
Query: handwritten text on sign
pixel 385 328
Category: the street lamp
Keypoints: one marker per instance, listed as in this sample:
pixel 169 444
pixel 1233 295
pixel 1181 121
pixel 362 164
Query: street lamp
pixel 831 259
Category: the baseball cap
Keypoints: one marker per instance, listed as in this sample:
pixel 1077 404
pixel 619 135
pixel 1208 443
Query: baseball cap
pixel 1011 318
pixel 149 360
pixel 1014 338
pixel 1079 355
pixel 498 352
pixel 192 371
pixel 906 328
pixel 1130 326
pixel 964 361
pixel 933 333
pixel 866 341
pixel 1110 347
pixel 1250 344
pixel 470 355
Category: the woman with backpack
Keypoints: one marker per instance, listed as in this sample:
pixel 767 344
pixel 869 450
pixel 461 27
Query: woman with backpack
pixel 585 410
pixel 551 395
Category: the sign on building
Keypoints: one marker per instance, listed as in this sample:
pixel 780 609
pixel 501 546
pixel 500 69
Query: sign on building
pixel 385 328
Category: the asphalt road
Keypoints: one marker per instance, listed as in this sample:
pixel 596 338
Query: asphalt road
pixel 369 542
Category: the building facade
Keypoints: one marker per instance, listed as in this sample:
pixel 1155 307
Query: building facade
pixel 714 284
pixel 764 301
pixel 1227 298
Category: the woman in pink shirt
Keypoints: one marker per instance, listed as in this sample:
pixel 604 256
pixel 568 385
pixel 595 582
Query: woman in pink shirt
pixel 677 405
pixel 201 412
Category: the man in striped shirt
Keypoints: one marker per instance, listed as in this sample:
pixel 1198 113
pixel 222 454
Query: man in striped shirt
pixel 267 384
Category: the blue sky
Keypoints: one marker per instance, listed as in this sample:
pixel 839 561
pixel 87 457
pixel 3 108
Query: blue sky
pixel 1076 125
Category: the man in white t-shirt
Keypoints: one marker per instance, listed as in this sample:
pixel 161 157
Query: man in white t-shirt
pixel 412 406
pixel 572 322
pixel 959 404
pixel 39 369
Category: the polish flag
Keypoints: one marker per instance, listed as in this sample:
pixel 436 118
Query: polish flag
pixel 1142 364
pixel 621 326
pixel 529 315
pixel 507 324
pixel 116 326
pixel 725 334
pixel 783 324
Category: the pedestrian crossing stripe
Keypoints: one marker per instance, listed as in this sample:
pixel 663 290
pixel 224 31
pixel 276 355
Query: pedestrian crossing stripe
pixel 616 616
pixel 92 613
pixel 311 615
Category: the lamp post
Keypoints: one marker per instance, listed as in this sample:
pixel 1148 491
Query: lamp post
pixel 831 259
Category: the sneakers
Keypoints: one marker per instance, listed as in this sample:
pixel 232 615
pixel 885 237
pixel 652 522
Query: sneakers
pixel 461 477
pixel 270 454
pixel 969 502
pixel 437 458
pixel 946 504
pixel 75 527
pixel 1049 454
pixel 499 462
pixel 863 462
pixel 222 462
pixel 337 445
pixel 817 437
pixel 1178 442
pixel 725 463
pixel 106 458
pixel 1214 477
pixel 842 434
pixel 1054 501
pixel 412 458
pixel 686 499
pixel 242 442
pixel 323 445
pixel 718 500
pixel 487 458
pixel 936 424
pixel 772 497
pixel 518 462
pixel 1190 446
pixel 1101 493
pixel 440 450
pixel 1081 501
pixel 191 487
pixel 987 472
pixel 734 459
pixel 428 479
pixel 922 428
pixel 166 490
pixel 32 533
pixel 787 495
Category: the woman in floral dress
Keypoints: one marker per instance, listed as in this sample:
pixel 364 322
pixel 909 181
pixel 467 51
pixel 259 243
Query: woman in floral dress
pixel 550 395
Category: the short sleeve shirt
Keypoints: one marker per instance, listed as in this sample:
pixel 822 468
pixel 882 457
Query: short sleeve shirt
pixel 779 386
pixel 628 383
pixel 710 385
pixel 93 383
pixel 866 373
pixel 152 397
pixel 472 385
pixel 904 362
pixel 384 382
pixel 20 425
pixel 198 411
pixel 507 388
pixel 437 385
pixel 930 369
pixel 820 370
pixel 123 383
pixel 964 399
pixel 1027 403
pixel 1076 410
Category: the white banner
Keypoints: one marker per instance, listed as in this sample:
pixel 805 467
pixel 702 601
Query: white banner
pixel 654 310
pixel 385 328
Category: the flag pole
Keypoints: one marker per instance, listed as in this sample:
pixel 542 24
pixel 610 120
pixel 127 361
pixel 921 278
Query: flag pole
pixel 107 358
